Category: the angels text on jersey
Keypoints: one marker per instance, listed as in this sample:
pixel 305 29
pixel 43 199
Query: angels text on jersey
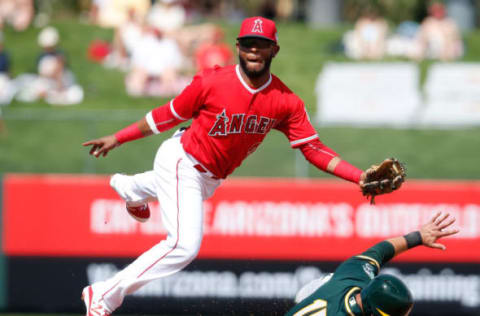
pixel 240 122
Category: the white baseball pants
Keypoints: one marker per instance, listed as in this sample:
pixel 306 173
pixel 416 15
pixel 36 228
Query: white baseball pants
pixel 180 189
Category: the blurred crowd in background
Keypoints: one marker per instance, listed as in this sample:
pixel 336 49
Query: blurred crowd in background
pixel 161 44
pixel 156 45
pixel 436 37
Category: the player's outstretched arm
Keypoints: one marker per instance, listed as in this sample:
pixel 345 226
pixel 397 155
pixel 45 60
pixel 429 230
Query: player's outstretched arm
pixel 324 158
pixel 439 226
pixel 101 146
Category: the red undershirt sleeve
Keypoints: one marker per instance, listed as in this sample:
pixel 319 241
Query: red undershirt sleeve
pixel 321 156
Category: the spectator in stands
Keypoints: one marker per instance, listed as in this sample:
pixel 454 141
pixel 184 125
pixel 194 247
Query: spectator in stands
pixel 51 62
pixel 126 37
pixel 277 9
pixel 7 89
pixel 168 16
pixel 368 38
pixel 402 42
pixel 285 9
pixel 213 52
pixel 155 66
pixel 4 58
pixel 17 13
pixel 438 37
pixel 113 13
pixel 6 86
pixel 54 82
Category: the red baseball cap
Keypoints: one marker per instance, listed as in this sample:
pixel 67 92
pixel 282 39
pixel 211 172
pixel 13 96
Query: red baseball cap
pixel 258 26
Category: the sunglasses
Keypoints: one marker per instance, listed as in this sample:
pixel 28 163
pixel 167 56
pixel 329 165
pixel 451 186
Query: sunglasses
pixel 259 43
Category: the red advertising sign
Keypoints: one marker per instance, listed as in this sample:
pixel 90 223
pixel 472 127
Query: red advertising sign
pixel 281 219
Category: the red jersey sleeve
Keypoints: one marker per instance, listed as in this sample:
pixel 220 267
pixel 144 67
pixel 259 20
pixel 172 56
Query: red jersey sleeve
pixel 297 126
pixel 181 108
pixel 187 103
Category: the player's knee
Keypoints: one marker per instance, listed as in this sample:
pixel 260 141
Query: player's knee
pixel 117 183
pixel 115 179
pixel 189 248
pixel 186 249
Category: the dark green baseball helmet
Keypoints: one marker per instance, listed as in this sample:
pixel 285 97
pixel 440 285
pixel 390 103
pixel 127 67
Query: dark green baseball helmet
pixel 386 295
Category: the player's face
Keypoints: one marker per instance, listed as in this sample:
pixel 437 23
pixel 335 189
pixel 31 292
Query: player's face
pixel 255 55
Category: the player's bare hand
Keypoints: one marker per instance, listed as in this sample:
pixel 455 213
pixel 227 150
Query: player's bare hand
pixel 363 176
pixel 101 146
pixel 439 226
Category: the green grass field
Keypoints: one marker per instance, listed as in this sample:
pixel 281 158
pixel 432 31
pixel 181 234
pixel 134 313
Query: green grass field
pixel 43 138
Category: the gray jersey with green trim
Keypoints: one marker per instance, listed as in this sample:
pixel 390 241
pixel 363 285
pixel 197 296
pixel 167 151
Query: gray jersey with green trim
pixel 337 296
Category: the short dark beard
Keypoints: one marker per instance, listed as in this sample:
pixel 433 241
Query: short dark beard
pixel 253 74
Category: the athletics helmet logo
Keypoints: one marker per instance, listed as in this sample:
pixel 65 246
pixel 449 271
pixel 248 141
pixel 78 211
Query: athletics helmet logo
pixel 257 26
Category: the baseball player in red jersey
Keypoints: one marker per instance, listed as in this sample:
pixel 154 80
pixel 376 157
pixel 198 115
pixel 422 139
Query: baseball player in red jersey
pixel 232 109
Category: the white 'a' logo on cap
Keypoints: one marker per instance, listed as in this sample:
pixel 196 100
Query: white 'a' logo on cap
pixel 257 27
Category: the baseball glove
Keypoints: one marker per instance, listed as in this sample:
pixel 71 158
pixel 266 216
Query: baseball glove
pixel 385 178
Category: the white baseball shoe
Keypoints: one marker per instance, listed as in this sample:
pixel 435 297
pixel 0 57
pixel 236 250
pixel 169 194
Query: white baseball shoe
pixel 94 307
pixel 141 213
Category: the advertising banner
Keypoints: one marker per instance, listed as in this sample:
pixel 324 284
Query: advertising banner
pixel 268 219
pixel 2 259
pixel 452 97
pixel 227 287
